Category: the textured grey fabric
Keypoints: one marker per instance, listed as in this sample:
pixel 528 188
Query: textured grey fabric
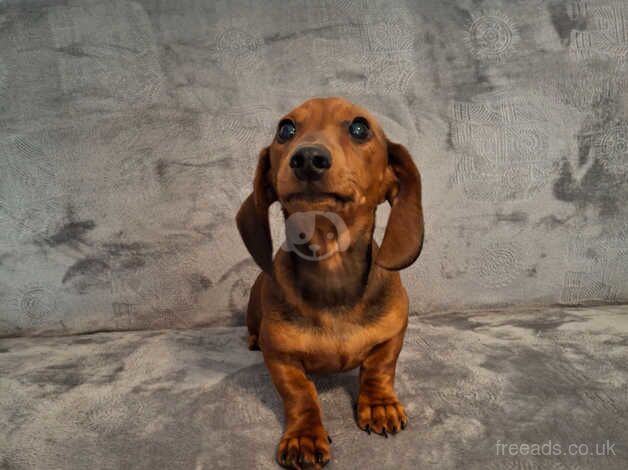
pixel 129 132
pixel 199 400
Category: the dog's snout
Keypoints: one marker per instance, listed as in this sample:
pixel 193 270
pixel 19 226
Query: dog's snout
pixel 310 163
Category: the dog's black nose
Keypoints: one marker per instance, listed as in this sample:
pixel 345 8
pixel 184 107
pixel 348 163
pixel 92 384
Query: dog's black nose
pixel 309 163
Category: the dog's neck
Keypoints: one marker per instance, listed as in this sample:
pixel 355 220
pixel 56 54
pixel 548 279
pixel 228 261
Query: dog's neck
pixel 338 280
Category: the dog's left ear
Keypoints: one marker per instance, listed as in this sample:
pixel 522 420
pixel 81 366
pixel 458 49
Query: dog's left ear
pixel 252 218
pixel 403 238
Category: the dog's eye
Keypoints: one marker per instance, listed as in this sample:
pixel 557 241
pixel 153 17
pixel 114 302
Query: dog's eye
pixel 359 128
pixel 286 130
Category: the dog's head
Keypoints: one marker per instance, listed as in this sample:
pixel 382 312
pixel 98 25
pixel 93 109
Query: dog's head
pixel 331 156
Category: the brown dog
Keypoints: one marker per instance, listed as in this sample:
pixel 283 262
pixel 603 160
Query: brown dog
pixel 331 300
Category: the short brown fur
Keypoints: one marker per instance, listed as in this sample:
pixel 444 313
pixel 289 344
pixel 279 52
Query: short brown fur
pixel 349 309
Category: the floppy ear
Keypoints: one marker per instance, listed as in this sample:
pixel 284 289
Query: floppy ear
pixel 252 218
pixel 403 238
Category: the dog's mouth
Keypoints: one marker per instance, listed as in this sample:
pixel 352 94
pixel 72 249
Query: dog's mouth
pixel 317 197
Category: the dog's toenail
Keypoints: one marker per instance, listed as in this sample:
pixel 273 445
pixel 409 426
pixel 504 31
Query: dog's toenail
pixel 329 439
pixel 368 429
pixel 385 433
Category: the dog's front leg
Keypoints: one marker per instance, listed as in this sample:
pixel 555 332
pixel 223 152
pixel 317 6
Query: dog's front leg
pixel 305 441
pixel 378 407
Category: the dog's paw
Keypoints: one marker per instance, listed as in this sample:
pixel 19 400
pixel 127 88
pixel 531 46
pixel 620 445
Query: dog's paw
pixel 381 417
pixel 304 449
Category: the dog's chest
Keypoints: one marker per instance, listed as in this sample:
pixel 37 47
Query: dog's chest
pixel 327 361
pixel 336 349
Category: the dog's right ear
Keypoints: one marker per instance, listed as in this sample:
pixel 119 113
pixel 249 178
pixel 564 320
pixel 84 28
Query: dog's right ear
pixel 252 218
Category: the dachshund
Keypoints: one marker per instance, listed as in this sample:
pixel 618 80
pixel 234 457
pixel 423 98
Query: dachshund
pixel 331 299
